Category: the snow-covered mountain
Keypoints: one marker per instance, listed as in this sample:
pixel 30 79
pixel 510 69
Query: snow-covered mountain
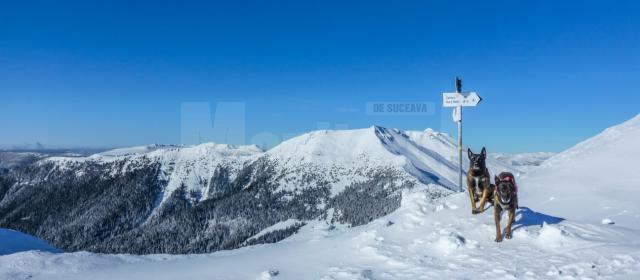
pixel 12 159
pixel 426 156
pixel 595 181
pixel 523 161
pixel 180 199
pixel 424 237
pixel 180 166
pixel 17 157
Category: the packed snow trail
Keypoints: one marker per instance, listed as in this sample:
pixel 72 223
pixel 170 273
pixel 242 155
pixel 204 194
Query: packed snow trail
pixel 423 239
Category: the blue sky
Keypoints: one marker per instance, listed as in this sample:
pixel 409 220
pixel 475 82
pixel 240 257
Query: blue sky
pixel 79 74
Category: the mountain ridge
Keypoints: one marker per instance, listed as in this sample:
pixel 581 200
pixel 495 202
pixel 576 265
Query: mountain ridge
pixel 418 232
pixel 209 197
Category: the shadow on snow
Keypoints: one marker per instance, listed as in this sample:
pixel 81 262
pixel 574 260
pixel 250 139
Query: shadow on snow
pixel 526 217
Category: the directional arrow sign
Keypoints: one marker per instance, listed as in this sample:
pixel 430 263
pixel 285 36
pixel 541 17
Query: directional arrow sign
pixel 472 99
pixel 455 99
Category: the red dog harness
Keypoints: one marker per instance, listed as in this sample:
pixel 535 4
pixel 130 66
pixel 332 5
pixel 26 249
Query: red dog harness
pixel 509 179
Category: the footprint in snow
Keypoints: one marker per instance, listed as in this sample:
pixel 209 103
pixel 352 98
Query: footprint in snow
pixel 367 274
pixel 607 221
pixel 269 274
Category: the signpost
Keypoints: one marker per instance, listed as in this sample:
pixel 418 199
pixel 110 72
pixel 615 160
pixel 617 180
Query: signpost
pixel 457 100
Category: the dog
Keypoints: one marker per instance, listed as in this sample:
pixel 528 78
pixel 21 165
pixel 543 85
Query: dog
pixel 505 199
pixel 478 181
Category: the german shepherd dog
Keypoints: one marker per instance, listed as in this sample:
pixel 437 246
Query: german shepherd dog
pixel 505 199
pixel 478 181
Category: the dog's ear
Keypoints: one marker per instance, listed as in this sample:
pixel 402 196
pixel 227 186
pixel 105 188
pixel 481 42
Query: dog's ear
pixel 484 152
pixel 497 179
pixel 469 153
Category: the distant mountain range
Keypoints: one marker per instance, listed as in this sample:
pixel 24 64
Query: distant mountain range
pixel 523 161
pixel 209 197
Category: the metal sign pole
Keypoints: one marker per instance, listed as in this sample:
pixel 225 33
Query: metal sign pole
pixel 457 100
pixel 459 108
pixel 460 150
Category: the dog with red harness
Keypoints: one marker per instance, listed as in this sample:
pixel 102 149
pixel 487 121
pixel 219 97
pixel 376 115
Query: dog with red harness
pixel 505 199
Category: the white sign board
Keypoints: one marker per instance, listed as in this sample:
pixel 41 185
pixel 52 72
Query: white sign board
pixel 457 114
pixel 456 99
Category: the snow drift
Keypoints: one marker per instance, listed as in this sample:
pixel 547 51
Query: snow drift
pixel 595 180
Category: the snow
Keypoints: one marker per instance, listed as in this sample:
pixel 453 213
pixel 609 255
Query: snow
pixel 594 180
pixel 12 241
pixel 330 146
pixel 191 166
pixel 607 221
pixel 523 161
pixel 424 156
pixel 340 157
pixel 278 226
pixel 563 230
pixel 426 240
pixel 551 237
pixel 134 150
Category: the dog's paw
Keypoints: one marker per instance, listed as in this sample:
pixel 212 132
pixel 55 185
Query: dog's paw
pixel 499 239
pixel 508 235
pixel 475 211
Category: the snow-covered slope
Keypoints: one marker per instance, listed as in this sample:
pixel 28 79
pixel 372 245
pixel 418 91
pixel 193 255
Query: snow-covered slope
pixel 595 180
pixel 340 156
pixel 426 156
pixel 12 241
pixel 189 166
pixel 236 191
pixel 13 159
pixel 423 239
